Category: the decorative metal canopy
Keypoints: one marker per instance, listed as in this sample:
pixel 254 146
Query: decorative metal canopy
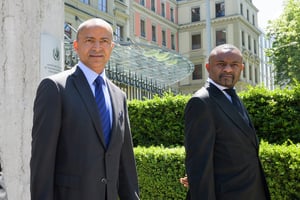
pixel 150 62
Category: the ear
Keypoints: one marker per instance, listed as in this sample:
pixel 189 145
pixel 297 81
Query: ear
pixel 75 45
pixel 207 67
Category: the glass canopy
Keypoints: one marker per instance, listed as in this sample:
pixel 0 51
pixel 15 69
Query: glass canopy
pixel 150 62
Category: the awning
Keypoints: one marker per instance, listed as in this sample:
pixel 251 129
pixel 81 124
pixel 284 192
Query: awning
pixel 150 62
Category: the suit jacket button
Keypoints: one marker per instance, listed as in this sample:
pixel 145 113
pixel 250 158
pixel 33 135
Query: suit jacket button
pixel 104 181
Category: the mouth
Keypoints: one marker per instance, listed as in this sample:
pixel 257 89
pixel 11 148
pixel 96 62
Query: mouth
pixel 96 56
pixel 227 76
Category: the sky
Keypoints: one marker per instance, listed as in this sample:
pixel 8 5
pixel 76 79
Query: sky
pixel 268 10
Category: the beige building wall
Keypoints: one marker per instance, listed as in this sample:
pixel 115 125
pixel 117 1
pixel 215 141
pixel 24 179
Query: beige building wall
pixel 233 23
pixel 240 19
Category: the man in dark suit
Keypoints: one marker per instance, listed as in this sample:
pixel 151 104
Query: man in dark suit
pixel 222 160
pixel 71 159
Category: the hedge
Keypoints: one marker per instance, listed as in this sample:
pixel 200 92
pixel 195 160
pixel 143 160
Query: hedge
pixel 157 121
pixel 275 114
pixel 160 168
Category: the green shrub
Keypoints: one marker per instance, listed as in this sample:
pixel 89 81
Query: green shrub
pixel 275 115
pixel 159 170
pixel 281 164
pixel 157 121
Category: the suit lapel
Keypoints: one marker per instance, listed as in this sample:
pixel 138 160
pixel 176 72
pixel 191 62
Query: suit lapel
pixel 115 100
pixel 229 110
pixel 88 99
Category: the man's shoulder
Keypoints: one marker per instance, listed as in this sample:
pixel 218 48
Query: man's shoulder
pixel 115 88
pixel 62 75
pixel 201 93
pixel 56 80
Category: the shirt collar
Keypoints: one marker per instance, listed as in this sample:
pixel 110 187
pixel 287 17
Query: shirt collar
pixel 222 88
pixel 90 74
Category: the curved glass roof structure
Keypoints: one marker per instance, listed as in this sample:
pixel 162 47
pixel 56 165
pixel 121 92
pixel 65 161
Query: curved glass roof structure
pixel 150 62
pixel 145 62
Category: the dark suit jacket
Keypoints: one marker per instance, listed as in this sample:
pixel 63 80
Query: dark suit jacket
pixel 221 150
pixel 69 159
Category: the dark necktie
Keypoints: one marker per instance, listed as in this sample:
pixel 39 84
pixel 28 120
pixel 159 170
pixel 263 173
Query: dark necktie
pixel 237 103
pixel 103 109
pixel 234 99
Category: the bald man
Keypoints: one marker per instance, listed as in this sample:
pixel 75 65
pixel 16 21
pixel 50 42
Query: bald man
pixel 75 155
pixel 222 161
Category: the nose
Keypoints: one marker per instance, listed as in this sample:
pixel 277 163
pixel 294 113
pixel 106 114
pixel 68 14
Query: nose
pixel 227 68
pixel 98 44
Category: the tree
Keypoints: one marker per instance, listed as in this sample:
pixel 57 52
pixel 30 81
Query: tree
pixel 284 33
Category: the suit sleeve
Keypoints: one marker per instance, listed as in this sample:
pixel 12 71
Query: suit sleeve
pixel 45 132
pixel 128 182
pixel 199 146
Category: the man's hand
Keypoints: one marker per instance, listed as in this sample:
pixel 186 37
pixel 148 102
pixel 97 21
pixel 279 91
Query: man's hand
pixel 184 181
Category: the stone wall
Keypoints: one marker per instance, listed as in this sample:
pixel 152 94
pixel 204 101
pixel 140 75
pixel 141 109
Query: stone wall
pixel 22 22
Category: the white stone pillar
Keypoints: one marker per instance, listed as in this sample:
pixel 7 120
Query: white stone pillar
pixel 22 23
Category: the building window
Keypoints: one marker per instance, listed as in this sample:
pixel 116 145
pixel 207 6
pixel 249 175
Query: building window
pixel 250 72
pixel 163 36
pixel 153 33
pixel 247 14
pixel 256 76
pixel 163 13
pixel 195 12
pixel 243 38
pixel 244 71
pixel 220 37
pixel 253 20
pixel 197 73
pixel 220 9
pixel 173 41
pixel 196 41
pixel 153 5
pixel 102 5
pixel 249 43
pixel 85 1
pixel 241 9
pixel 142 2
pixel 254 46
pixel 119 33
pixel 143 28
pixel 172 14
pixel 68 30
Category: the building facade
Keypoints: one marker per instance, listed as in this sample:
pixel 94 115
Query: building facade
pixel 267 74
pixel 190 28
pixel 230 21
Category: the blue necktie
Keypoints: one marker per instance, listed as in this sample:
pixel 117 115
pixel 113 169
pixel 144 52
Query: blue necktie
pixel 103 109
